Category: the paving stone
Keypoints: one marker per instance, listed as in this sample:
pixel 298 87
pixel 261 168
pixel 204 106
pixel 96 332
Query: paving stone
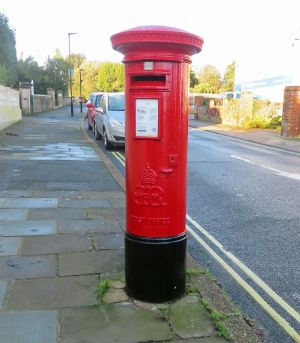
pixel 189 318
pixel 14 194
pixel 13 214
pixel 53 194
pixel 54 244
pixel 9 246
pixel 103 195
pixel 107 213
pixel 115 296
pixel 28 228
pixel 28 327
pixel 113 323
pixel 52 293
pixel 56 213
pixel 117 284
pixel 117 203
pixel 28 203
pixel 95 225
pixel 109 241
pixel 3 286
pixel 84 203
pixel 101 261
pixel 23 267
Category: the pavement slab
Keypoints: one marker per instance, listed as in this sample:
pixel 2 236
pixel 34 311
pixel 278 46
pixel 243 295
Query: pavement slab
pixel 24 267
pixel 101 261
pixel 107 213
pixel 82 226
pixel 9 246
pixel 54 244
pixel 84 203
pixel 13 214
pixel 56 213
pixel 113 323
pixel 28 227
pixel 28 202
pixel 3 286
pixel 14 194
pixel 108 241
pixel 189 318
pixel 52 293
pixel 28 327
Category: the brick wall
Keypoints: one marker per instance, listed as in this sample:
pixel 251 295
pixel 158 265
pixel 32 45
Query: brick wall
pixel 290 126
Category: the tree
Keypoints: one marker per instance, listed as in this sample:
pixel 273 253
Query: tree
pixel 76 60
pixel 89 77
pixel 8 54
pixel 110 77
pixel 193 78
pixel 229 77
pixel 28 70
pixel 56 69
pixel 209 80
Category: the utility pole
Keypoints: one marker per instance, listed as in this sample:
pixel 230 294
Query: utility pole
pixel 70 72
pixel 80 82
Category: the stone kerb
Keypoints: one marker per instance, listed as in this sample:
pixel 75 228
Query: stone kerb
pixel 10 111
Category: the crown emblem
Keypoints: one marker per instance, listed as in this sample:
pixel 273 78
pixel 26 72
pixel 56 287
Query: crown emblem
pixel 148 175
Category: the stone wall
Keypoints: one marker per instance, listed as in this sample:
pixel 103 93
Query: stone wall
pixel 42 103
pixel 290 126
pixel 10 111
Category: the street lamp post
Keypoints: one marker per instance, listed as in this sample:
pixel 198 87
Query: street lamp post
pixel 80 82
pixel 70 73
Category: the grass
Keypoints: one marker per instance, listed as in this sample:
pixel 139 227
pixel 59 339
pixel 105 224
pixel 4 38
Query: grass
pixel 217 318
pixel 101 289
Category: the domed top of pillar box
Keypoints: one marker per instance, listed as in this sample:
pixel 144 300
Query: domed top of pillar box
pixel 156 43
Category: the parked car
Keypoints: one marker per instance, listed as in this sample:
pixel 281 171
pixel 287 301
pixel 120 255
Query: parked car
pixel 110 120
pixel 92 103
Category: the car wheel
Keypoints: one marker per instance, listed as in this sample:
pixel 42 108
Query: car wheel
pixel 107 143
pixel 96 133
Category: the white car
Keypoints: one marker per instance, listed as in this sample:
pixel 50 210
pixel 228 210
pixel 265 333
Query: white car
pixel 110 119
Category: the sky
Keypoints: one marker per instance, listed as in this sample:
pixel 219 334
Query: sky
pixel 258 34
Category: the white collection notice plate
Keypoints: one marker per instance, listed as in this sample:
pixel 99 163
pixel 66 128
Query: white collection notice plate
pixel 146 118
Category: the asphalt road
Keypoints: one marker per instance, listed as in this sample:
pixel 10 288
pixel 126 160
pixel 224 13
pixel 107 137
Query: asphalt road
pixel 248 198
pixel 243 206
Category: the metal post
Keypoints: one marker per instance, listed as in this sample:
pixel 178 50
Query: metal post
pixel 70 73
pixel 80 81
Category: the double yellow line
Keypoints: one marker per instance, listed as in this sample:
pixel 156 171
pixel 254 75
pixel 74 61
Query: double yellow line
pixel 276 317
pixel 119 157
pixel 250 290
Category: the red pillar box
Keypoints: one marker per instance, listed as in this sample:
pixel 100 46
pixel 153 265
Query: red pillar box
pixel 157 62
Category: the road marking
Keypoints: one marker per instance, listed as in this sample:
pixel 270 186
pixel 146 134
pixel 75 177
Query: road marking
pixel 116 155
pixel 292 312
pixel 293 176
pixel 276 317
pixel 120 155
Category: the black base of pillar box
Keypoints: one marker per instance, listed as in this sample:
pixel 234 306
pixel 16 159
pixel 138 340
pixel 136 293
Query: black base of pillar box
pixel 155 269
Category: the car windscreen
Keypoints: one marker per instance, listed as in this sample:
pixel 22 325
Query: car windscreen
pixel 116 102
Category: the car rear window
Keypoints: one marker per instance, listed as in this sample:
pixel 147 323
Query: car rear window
pixel 116 102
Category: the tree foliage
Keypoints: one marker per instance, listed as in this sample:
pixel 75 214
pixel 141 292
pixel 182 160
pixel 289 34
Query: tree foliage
pixel 229 76
pixel 56 69
pixel 209 80
pixel 110 77
pixel 8 54
pixel 193 78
